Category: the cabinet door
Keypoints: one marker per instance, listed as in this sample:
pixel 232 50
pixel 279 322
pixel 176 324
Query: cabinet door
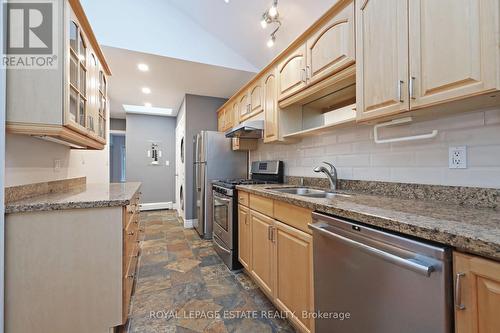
pixel 244 237
pixel 381 58
pixel 262 251
pixel 236 113
pixel 292 73
pixel 243 106
pixel 220 121
pixel 331 49
pixel 228 116
pixel 270 107
pixel 293 260
pixel 255 93
pixel 477 295
pixel 453 49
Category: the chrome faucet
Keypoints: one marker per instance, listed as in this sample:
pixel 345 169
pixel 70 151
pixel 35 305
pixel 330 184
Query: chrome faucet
pixel 331 174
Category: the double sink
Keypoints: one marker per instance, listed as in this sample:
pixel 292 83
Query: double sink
pixel 308 192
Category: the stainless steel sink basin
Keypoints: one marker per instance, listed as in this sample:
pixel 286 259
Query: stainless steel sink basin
pixel 309 192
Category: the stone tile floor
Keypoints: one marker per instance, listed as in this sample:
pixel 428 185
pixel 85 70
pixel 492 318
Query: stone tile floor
pixel 183 286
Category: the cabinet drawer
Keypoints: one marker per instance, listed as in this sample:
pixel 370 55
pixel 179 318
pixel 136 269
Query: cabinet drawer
pixel 294 216
pixel 128 284
pixel 243 198
pixel 261 204
pixel 131 240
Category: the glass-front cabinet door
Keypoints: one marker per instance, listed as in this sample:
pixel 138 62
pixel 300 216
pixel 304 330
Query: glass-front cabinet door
pixel 76 117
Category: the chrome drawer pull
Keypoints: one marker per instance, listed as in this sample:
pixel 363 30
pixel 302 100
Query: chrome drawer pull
pixel 458 291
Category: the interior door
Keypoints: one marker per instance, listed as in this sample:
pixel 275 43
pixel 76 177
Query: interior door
pixel 262 251
pixel 453 50
pixel 331 49
pixel 292 73
pixel 381 58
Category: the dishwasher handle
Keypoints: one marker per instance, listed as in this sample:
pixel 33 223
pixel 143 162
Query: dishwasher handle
pixel 411 265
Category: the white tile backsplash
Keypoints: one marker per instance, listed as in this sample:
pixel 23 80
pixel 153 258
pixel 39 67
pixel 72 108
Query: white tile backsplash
pixel 356 156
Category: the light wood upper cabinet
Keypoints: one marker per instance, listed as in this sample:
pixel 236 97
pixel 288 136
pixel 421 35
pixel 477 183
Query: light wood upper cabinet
pixel 453 49
pixel 221 120
pixel 381 57
pixel 243 106
pixel 244 237
pixel 72 108
pixel 270 107
pixel 292 73
pixel 262 251
pixel 477 294
pixel 236 113
pixel 332 47
pixel 255 94
pixel 294 286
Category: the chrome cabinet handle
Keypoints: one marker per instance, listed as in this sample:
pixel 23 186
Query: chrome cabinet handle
pixel 458 291
pixel 308 72
pixel 273 234
pixel 269 232
pixel 400 91
pixel 303 75
pixel 412 84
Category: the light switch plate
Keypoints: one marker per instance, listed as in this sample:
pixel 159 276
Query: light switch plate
pixel 458 157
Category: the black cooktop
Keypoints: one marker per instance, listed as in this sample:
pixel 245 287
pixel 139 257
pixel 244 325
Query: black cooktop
pixel 231 183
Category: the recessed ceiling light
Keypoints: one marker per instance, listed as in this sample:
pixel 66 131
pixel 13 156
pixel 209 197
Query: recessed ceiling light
pixel 146 90
pixel 153 111
pixel 270 42
pixel 226 1
pixel 148 105
pixel 143 67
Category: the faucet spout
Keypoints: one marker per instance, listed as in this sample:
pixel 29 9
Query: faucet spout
pixel 330 173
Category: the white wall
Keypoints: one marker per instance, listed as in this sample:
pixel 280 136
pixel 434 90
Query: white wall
pixel 356 156
pixel 164 30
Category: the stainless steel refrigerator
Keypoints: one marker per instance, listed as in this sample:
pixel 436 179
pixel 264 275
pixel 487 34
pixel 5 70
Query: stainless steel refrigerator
pixel 214 160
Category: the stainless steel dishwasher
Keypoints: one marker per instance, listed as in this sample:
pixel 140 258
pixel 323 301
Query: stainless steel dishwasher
pixel 385 283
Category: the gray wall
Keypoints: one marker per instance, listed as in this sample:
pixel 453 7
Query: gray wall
pixel 200 115
pixel 117 124
pixel 158 182
pixel 115 158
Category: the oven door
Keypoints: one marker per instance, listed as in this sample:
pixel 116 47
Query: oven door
pixel 223 217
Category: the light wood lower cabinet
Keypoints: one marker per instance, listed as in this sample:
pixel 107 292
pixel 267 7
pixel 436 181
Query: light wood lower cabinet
pixel 279 258
pixel 477 294
pixel 293 277
pixel 244 239
pixel 262 251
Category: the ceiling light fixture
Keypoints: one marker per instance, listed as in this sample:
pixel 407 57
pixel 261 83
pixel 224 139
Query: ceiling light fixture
pixel 270 41
pixel 146 90
pixel 271 16
pixel 226 1
pixel 143 67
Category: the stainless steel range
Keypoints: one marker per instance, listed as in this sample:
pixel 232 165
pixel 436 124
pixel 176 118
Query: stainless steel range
pixel 225 208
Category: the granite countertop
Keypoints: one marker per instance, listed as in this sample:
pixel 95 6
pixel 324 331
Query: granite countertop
pixel 472 230
pixel 85 196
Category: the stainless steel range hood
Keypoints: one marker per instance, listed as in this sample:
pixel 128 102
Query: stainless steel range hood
pixel 252 129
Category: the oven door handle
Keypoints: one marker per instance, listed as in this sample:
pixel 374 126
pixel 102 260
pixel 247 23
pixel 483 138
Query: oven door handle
pixel 222 198
pixel 220 246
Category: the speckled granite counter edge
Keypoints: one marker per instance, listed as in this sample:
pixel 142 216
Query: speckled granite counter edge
pixel 464 244
pixel 13 208
pixel 19 192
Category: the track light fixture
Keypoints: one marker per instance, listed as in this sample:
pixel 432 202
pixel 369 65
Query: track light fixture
pixel 271 16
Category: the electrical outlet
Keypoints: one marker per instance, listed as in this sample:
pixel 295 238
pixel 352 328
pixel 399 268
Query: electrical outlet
pixel 458 157
pixel 57 165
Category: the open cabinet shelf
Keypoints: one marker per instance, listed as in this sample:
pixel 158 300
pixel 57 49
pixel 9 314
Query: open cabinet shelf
pixel 323 114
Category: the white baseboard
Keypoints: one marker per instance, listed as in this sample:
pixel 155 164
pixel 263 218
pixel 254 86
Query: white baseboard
pixel 156 205
pixel 188 224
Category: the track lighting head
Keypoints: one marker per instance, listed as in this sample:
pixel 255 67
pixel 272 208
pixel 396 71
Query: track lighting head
pixel 271 40
pixel 271 16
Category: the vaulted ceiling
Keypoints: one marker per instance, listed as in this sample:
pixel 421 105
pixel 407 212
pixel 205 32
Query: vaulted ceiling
pixel 222 38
